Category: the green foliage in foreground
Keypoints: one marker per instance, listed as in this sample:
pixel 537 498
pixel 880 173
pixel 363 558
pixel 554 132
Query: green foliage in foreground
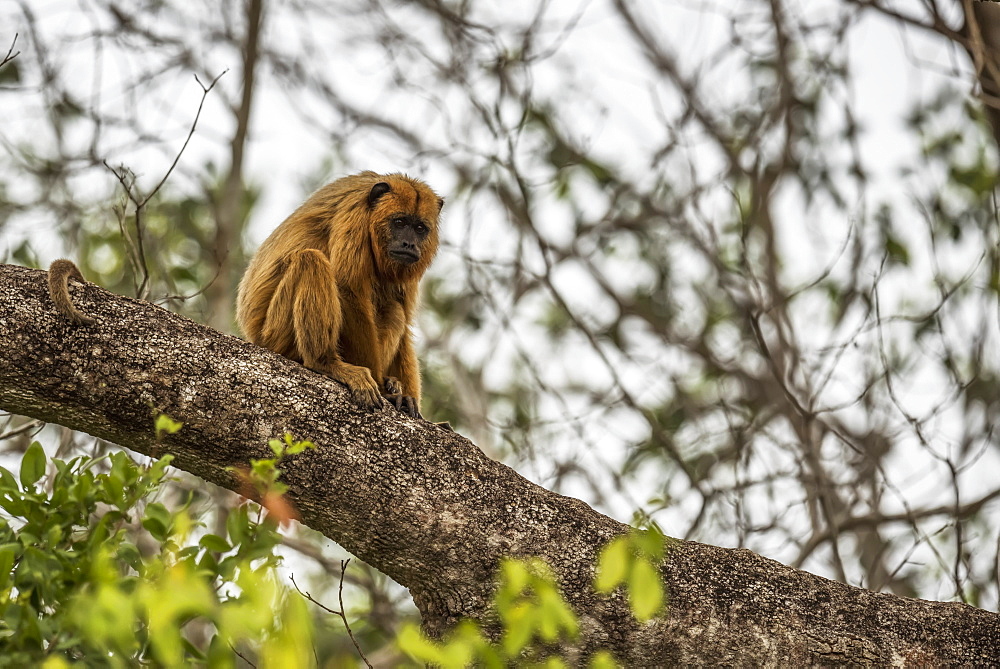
pixel 536 621
pixel 81 585
pixel 95 572
pixel 630 560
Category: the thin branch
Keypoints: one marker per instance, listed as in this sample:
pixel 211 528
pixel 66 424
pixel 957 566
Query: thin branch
pixel 142 291
pixel 340 613
pixel 11 54
pixel 194 124
pixel 35 424
pixel 242 656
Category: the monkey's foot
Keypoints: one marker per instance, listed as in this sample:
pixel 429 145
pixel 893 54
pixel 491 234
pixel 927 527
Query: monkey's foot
pixel 404 404
pixel 392 390
pixel 391 386
pixel 364 391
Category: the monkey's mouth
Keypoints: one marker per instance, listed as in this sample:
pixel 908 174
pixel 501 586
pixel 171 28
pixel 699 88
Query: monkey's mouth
pixel 404 257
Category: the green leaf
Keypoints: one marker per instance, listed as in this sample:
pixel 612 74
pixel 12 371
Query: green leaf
pixel 645 590
pixel 613 565
pixel 649 543
pixel 299 446
pixel 7 482
pixel 265 470
pixel 514 576
pixel 520 627
pixel 214 542
pixel 412 642
pixel 236 525
pixel 32 465
pixel 603 659
pixel 158 521
pixel 8 553
pixel 166 425
pixel 158 470
pixel 159 531
pixel 129 554
pixel 157 511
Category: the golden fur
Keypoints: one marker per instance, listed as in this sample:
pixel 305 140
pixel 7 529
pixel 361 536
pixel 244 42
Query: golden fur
pixel 324 290
pixel 60 272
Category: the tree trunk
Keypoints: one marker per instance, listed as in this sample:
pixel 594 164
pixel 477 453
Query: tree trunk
pixel 228 204
pixel 424 505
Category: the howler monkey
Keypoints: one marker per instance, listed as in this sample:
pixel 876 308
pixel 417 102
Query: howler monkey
pixel 335 285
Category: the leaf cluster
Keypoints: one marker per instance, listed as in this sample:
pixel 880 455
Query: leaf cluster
pixel 82 585
pixel 536 623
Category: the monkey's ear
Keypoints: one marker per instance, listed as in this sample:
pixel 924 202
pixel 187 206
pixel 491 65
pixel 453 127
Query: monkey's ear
pixel 377 191
pixel 440 203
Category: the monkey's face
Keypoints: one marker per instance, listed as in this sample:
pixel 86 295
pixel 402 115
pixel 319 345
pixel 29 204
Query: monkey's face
pixel 405 226
pixel 407 235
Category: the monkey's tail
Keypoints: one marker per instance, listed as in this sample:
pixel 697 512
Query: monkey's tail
pixel 60 272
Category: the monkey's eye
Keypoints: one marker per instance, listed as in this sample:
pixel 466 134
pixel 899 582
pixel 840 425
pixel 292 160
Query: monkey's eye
pixel 399 222
pixel 420 228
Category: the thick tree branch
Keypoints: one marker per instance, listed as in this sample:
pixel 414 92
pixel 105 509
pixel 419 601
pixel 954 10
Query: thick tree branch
pixel 424 505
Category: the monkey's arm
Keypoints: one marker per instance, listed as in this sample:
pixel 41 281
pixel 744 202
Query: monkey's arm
pixel 60 272
pixel 359 336
pixel 304 321
pixel 402 385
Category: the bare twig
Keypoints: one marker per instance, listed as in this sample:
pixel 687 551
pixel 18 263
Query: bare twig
pixel 11 54
pixel 35 424
pixel 340 613
pixel 142 292
pixel 242 656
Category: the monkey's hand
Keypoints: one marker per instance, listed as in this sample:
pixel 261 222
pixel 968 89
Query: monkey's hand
pixel 392 390
pixel 364 390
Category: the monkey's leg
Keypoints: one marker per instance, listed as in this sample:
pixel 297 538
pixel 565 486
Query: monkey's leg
pixel 305 316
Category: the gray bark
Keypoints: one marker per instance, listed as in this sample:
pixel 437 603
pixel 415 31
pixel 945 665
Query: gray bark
pixel 425 505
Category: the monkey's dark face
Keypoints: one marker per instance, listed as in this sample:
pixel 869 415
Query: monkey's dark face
pixel 405 220
pixel 408 235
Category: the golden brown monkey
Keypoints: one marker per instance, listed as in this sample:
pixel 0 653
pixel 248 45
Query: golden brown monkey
pixel 335 285
pixel 60 272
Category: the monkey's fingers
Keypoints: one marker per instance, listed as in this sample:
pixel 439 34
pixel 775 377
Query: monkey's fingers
pixel 364 391
pixel 366 398
pixel 404 404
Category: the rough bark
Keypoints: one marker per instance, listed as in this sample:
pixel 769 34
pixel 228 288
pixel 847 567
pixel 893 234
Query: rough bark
pixel 426 506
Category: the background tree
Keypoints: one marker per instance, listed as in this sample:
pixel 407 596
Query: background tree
pixel 705 267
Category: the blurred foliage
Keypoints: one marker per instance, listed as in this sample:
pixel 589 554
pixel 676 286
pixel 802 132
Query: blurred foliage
pixel 632 560
pixel 95 572
pixel 536 625
pixel 178 238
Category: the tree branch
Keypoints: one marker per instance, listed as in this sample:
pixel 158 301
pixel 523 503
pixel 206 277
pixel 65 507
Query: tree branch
pixel 425 505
